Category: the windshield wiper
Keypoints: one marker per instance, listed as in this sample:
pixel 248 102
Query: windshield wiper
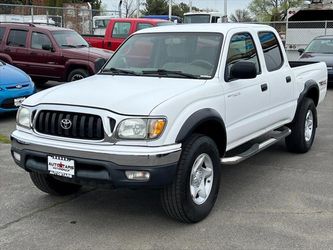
pixel 164 72
pixel 120 71
pixel 68 45
pixel 81 45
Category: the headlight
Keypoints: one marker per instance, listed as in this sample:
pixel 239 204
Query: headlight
pixel 140 128
pixel 23 117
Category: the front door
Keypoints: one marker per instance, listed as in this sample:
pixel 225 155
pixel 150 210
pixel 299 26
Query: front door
pixel 43 57
pixel 246 99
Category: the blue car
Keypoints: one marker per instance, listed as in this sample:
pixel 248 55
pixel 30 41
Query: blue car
pixel 15 86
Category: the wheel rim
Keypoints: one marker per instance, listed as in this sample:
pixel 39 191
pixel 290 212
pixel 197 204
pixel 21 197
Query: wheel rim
pixel 76 77
pixel 201 179
pixel 308 126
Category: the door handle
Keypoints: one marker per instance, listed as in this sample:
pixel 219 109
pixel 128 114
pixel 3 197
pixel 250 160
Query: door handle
pixel 33 53
pixel 7 50
pixel 264 87
pixel 288 79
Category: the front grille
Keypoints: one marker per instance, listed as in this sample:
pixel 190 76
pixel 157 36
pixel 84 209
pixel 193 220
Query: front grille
pixel 16 86
pixel 82 126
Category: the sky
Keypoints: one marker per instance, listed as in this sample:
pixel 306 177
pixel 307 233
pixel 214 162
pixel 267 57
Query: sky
pixel 202 4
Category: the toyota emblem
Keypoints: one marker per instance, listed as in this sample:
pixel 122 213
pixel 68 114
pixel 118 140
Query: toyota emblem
pixel 66 123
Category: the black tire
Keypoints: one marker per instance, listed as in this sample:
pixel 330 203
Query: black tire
pixel 176 198
pixel 297 141
pixel 77 74
pixel 50 185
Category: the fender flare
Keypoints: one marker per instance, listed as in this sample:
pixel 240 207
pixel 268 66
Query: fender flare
pixel 310 85
pixel 198 118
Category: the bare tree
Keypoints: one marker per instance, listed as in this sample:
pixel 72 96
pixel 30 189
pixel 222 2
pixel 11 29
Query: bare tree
pixel 241 16
pixel 130 7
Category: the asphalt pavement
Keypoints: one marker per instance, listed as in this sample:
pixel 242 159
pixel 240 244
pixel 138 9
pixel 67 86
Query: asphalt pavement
pixel 274 200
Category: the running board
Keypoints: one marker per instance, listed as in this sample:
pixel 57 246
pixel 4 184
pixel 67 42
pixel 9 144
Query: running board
pixel 276 136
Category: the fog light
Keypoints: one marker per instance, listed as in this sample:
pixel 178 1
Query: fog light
pixel 138 175
pixel 17 156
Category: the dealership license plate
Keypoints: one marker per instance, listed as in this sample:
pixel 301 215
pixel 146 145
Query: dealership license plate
pixel 60 166
pixel 18 101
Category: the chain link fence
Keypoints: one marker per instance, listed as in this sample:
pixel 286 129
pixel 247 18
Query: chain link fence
pixel 79 17
pixel 83 19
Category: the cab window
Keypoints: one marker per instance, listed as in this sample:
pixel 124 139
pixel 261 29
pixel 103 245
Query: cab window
pixel 143 26
pixel 121 30
pixel 241 48
pixel 272 50
pixel 17 38
pixel 38 40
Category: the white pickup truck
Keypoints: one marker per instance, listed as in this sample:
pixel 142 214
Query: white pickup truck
pixel 171 106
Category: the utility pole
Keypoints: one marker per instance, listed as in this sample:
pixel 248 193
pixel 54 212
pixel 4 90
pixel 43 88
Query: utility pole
pixel 190 4
pixel 170 9
pixel 225 16
pixel 225 8
pixel 137 8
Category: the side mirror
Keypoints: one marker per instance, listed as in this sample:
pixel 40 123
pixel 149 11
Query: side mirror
pixel 243 70
pixel 301 51
pixel 47 47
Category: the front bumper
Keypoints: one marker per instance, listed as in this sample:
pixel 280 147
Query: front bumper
pixel 103 164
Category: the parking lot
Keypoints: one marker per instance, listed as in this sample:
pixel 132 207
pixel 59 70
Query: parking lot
pixel 273 200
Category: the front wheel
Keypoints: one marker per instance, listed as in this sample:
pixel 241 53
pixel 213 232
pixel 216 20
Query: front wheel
pixel 77 74
pixel 303 128
pixel 193 193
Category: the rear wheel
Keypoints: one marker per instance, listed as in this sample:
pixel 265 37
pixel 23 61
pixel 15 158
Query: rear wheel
pixel 50 185
pixel 303 128
pixel 193 193
pixel 77 74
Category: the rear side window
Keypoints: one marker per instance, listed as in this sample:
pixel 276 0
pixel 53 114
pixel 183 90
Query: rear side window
pixel 143 26
pixel 2 33
pixel 38 40
pixel 241 48
pixel 17 38
pixel 272 50
pixel 121 30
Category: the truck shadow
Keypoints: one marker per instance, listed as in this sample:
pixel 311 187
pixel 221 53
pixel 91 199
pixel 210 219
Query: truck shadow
pixel 118 207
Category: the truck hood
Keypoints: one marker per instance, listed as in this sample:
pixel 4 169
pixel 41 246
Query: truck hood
pixel 90 53
pixel 131 95
pixel 11 75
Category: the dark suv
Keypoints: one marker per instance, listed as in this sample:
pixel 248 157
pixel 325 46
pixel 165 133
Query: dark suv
pixel 49 53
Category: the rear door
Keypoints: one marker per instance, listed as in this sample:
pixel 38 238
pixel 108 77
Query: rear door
pixel 246 100
pixel 279 78
pixel 16 47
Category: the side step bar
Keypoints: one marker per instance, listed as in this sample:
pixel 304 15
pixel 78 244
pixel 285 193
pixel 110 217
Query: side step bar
pixel 273 137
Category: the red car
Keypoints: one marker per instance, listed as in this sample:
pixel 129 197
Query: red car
pixel 49 53
pixel 119 29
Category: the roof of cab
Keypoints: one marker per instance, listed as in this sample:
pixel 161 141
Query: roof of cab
pixel 206 27
pixel 30 25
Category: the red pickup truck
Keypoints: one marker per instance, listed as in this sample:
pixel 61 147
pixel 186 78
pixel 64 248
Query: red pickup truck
pixel 119 29
pixel 49 53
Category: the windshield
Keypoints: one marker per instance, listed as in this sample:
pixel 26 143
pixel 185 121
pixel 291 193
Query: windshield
pixel 69 39
pixel 320 46
pixel 191 55
pixel 203 18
